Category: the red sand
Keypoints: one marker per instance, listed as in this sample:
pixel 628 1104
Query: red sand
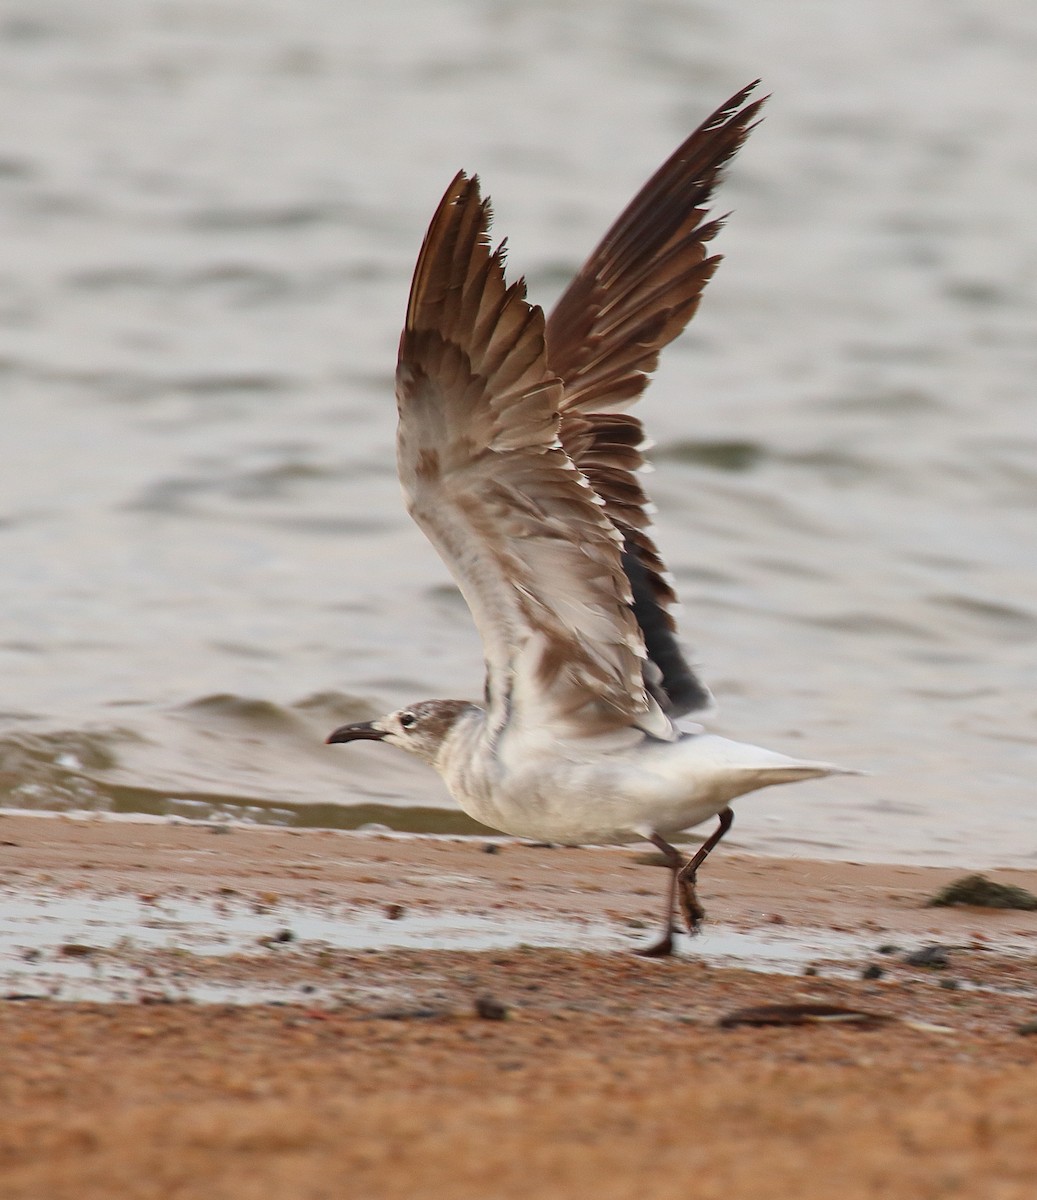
pixel 608 1076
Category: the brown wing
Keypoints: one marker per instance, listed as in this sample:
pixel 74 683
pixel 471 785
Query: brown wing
pixel 489 484
pixel 633 296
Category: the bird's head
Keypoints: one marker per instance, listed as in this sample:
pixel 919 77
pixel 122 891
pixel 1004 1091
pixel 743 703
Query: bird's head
pixel 419 729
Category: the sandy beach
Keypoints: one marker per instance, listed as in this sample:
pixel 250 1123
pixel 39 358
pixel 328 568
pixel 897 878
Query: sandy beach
pixel 172 1028
pixel 211 213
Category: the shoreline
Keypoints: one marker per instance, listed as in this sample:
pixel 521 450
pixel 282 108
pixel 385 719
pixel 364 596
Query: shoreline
pixel 248 1047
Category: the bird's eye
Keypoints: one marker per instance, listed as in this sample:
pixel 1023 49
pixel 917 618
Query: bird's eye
pixel 408 720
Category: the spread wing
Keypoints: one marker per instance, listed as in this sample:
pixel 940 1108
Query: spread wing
pixel 633 296
pixel 488 482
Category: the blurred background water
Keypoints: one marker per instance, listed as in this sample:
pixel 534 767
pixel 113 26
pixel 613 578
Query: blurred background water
pixel 209 212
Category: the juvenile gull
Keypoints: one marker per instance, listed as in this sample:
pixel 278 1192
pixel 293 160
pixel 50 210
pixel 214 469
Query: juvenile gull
pixel 519 464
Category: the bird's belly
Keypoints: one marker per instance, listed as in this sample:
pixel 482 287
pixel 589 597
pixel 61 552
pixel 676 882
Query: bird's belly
pixel 586 804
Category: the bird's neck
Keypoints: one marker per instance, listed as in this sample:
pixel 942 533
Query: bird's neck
pixel 461 758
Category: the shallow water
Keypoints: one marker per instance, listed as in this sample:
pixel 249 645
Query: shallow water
pixel 99 948
pixel 210 214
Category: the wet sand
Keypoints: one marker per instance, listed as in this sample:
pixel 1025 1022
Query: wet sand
pixel 384 1065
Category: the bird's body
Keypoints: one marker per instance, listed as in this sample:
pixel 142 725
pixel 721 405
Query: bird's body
pixel 520 466
pixel 606 789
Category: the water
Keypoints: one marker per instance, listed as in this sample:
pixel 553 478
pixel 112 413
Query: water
pixel 210 213
pixel 103 948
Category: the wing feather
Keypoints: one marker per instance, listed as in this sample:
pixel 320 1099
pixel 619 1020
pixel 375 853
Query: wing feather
pixel 487 480
pixel 634 295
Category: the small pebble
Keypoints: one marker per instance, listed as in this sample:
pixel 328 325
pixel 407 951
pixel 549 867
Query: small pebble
pixel 394 911
pixel 490 1009
pixel 950 985
pixel 872 971
pixel 1027 1029
pixel 407 1014
pixel 77 950
pixel 491 848
pixel 277 939
pixel 934 957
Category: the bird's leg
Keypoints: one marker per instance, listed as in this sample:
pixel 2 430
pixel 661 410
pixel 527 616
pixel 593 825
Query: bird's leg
pixel 684 879
pixel 664 946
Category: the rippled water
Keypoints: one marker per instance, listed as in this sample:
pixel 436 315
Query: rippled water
pixel 210 212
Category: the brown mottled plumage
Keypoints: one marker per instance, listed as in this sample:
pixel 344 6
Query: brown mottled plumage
pixel 507 508
pixel 520 402
pixel 521 470
pixel 640 287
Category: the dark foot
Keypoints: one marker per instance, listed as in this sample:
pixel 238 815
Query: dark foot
pixel 691 908
pixel 663 948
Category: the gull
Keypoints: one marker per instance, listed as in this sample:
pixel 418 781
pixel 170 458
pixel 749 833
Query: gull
pixel 519 463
